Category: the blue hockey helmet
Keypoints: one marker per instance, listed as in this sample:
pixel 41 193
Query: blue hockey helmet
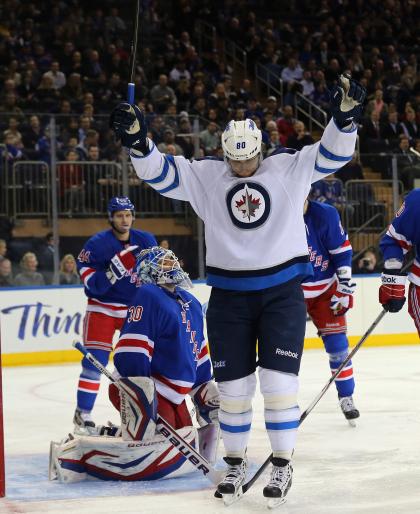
pixel 120 203
pixel 157 265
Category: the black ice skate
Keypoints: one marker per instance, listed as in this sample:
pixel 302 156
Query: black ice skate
pixel 280 482
pixel 231 486
pixel 83 423
pixel 349 410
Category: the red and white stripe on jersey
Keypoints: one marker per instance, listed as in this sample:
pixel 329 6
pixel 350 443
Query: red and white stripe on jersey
pixel 345 247
pixel 314 289
pixel 172 390
pixel 345 374
pixel 414 275
pixel 135 343
pixel 203 356
pixel 87 385
pixel 115 310
pixel 85 274
pixel 402 241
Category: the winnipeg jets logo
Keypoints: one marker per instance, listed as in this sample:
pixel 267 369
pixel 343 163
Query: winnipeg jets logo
pixel 248 204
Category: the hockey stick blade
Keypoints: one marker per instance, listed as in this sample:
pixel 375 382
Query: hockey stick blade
pixel 166 430
pixel 305 413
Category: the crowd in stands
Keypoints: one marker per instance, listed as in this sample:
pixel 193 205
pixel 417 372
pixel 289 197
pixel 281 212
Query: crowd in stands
pixel 75 62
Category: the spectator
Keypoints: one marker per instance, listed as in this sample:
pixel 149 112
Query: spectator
pixel 272 108
pixel 31 136
pixel 3 249
pixel 13 129
pixel 6 276
pixel 409 125
pixel 164 244
pixel 29 275
pixel 162 95
pixel 72 191
pixel 46 257
pixel 68 271
pixel 408 163
pixel 367 262
pixel 307 84
pixel 58 78
pixel 391 129
pixel 179 72
pixel 285 124
pixel 169 139
pixel 377 105
pixel 273 143
pixel 210 138
pixel 300 137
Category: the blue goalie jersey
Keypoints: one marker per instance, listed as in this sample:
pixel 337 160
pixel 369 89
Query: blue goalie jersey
pixel 93 262
pixel 163 338
pixel 329 248
pixel 403 234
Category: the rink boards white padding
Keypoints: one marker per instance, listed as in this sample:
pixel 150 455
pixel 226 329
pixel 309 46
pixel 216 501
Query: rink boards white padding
pixel 38 325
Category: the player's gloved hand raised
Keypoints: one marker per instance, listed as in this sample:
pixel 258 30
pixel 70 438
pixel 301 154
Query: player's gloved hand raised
pixel 392 290
pixel 121 263
pixel 342 299
pixel 129 125
pixel 346 101
pixel 207 402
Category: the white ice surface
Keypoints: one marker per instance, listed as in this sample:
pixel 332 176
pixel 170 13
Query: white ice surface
pixel 373 468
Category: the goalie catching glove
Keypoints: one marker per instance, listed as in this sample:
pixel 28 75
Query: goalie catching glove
pixel 129 125
pixel 206 400
pixel 122 263
pixel 342 300
pixel 392 290
pixel 346 101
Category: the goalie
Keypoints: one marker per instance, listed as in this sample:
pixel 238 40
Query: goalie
pixel 161 356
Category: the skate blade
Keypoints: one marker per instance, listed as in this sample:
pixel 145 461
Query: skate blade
pixel 228 499
pixel 273 503
pixel 352 423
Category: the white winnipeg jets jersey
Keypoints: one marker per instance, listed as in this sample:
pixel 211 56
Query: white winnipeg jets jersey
pixel 254 229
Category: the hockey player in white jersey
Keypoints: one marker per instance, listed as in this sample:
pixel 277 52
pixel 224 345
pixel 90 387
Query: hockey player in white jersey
pixel 256 258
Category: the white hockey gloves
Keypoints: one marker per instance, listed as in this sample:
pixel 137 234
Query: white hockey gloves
pixel 207 402
pixel 346 101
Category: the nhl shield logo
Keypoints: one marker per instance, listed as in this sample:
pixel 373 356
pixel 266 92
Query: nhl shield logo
pixel 248 204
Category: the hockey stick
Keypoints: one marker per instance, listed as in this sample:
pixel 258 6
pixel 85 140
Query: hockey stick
pixel 130 88
pixel 168 432
pixel 311 406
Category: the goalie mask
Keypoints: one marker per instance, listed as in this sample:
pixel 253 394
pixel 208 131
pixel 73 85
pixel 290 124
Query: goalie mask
pixel 159 266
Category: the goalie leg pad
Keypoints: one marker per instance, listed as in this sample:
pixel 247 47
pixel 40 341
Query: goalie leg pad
pixel 138 408
pixel 111 458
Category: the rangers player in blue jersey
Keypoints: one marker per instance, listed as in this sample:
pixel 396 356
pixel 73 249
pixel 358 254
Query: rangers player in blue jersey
pixel 257 256
pixel 329 293
pixel 162 347
pixel 105 267
pixel 402 235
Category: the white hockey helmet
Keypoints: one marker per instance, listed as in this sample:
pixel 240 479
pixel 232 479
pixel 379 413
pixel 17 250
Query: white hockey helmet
pixel 241 140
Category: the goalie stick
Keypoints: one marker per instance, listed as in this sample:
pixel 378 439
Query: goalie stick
pixel 168 432
pixel 311 406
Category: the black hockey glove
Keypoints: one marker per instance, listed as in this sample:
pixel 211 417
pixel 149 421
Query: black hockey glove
pixel 129 125
pixel 346 101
